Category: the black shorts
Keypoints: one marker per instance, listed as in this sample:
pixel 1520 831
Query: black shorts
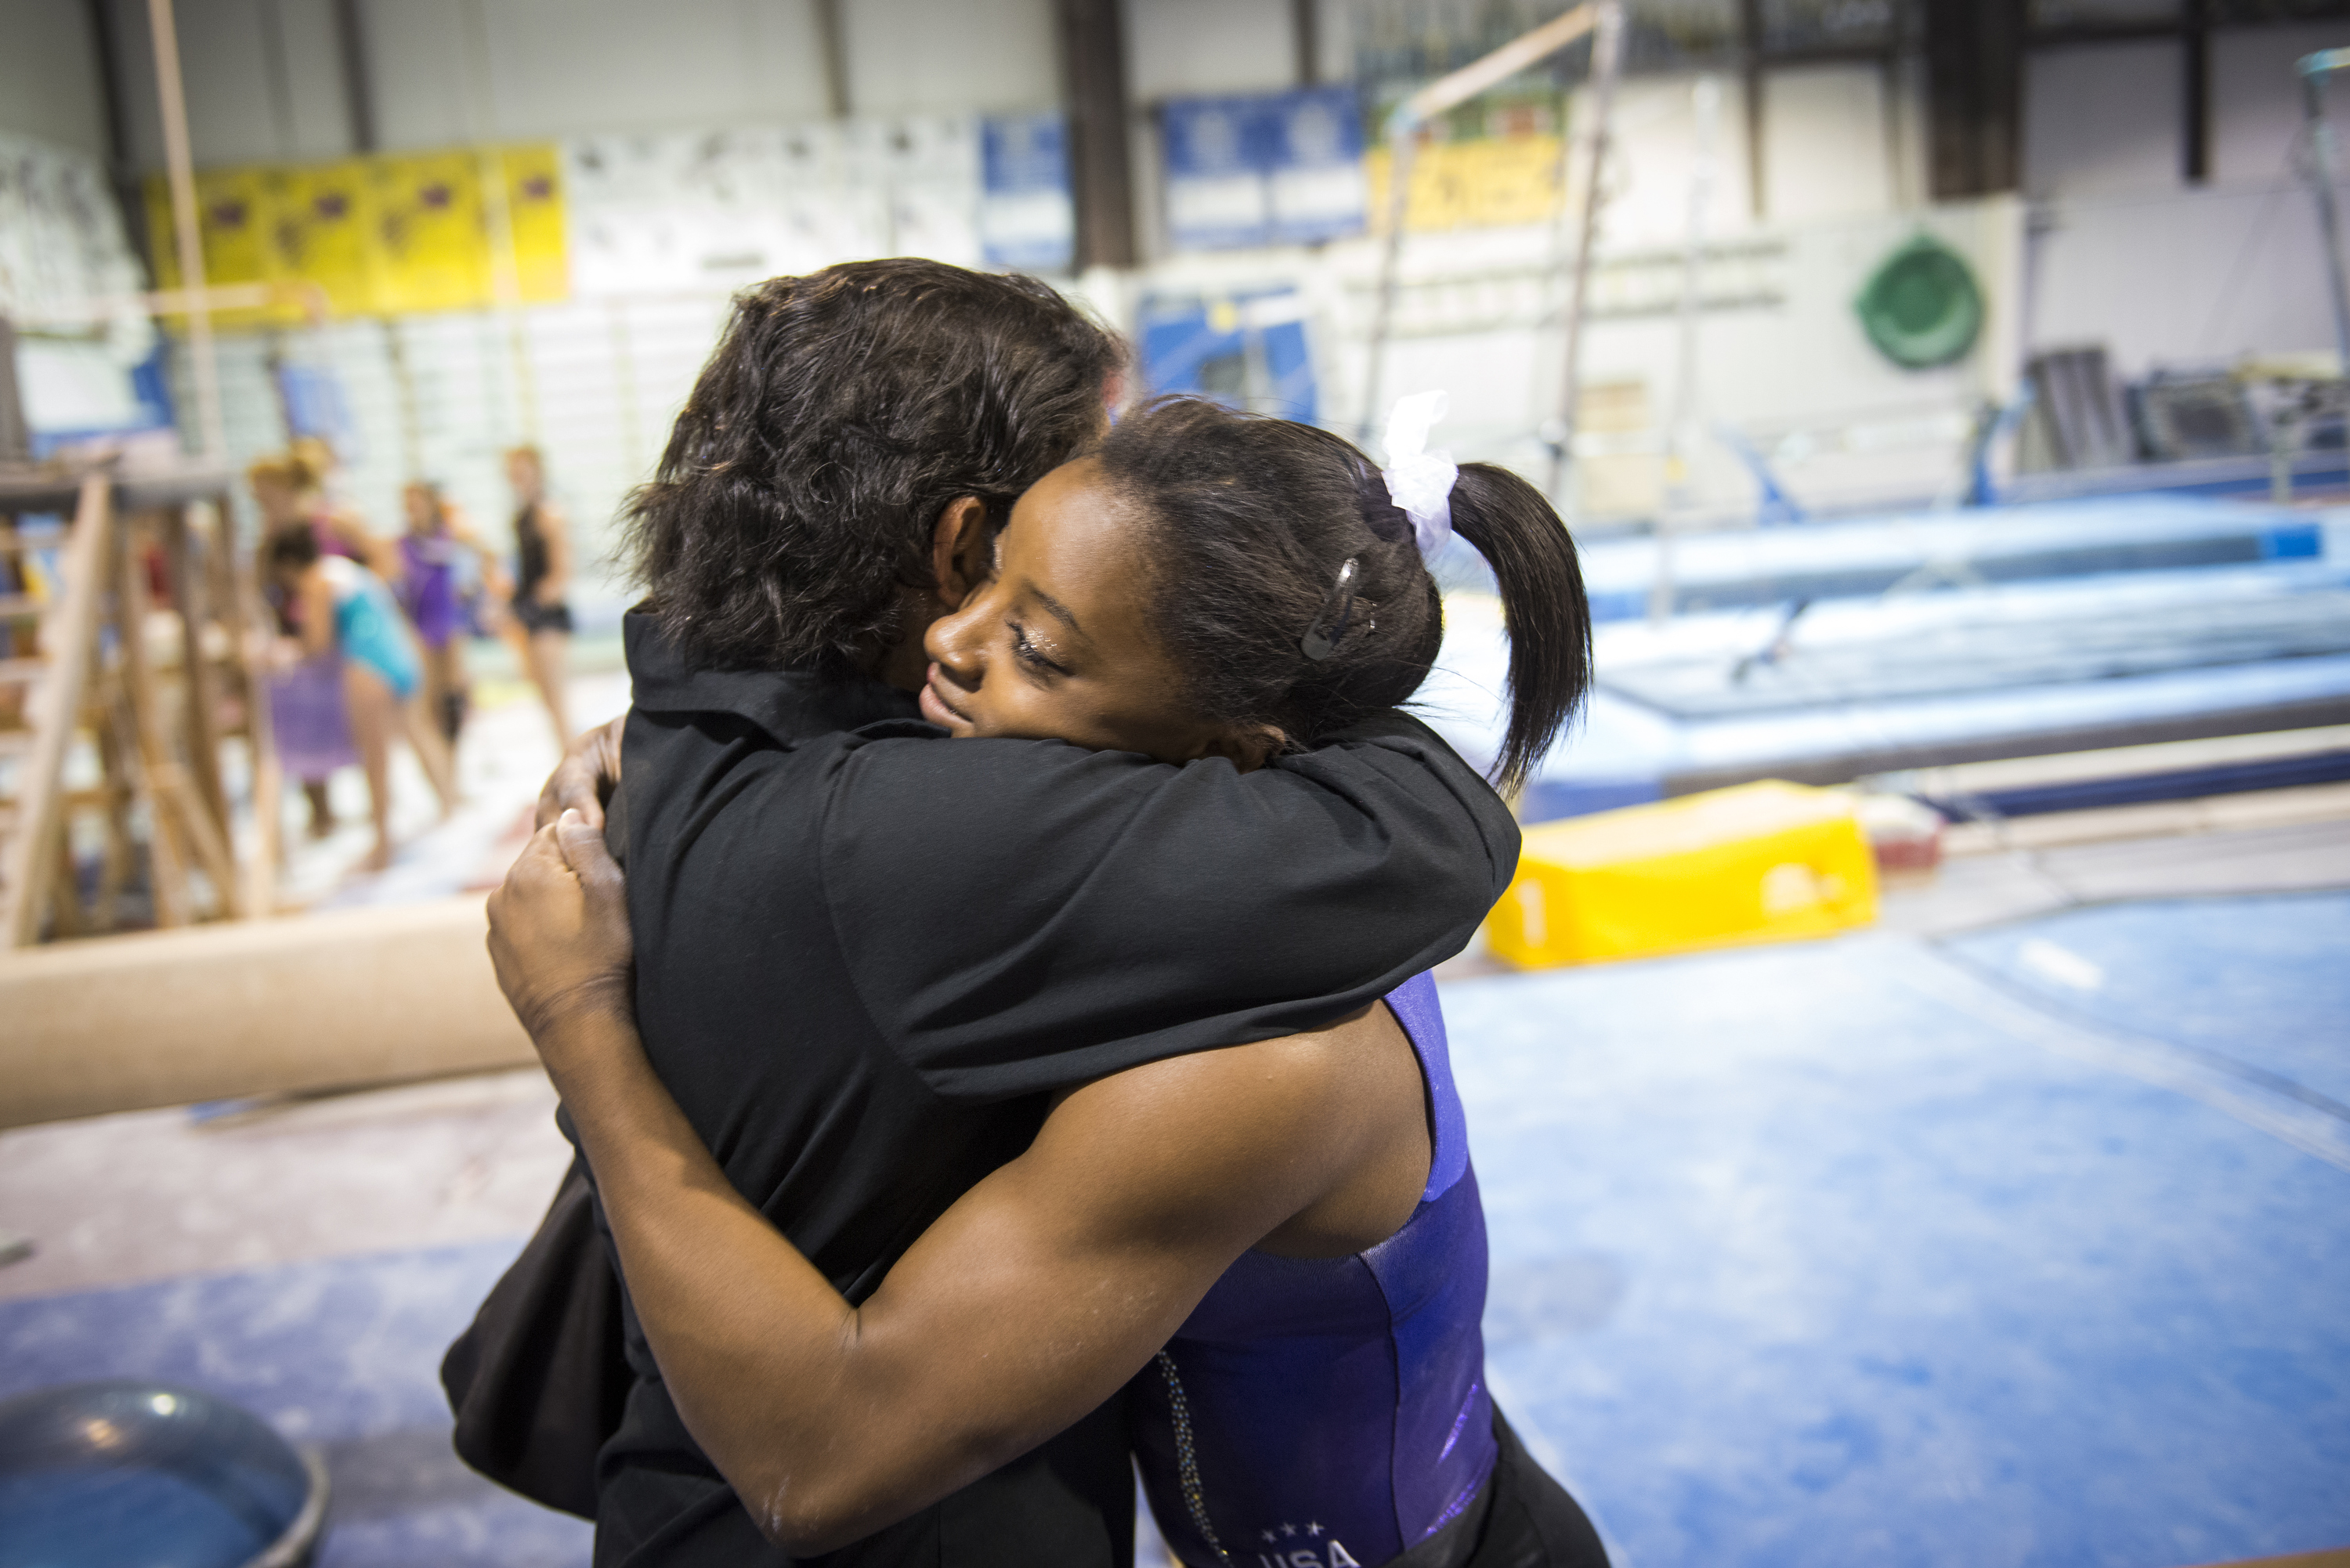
pixel 536 617
pixel 1523 1519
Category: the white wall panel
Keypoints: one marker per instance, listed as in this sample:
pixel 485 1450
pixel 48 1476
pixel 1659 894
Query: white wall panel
pixel 920 56
pixel 314 62
pixel 49 74
pixel 231 95
pixel 2102 120
pixel 417 64
pixel 1190 48
pixel 1653 162
pixel 1828 154
pixel 2256 99
pixel 2195 277
pixel 560 67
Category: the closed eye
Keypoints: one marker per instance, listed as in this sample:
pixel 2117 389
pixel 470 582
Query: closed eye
pixel 1029 654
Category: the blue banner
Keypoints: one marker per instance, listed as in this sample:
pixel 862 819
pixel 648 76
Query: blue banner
pixel 1247 350
pixel 1027 218
pixel 1283 169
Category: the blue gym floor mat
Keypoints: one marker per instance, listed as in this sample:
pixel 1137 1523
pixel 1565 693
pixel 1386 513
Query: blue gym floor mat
pixel 2260 981
pixel 1859 1252
pixel 344 1353
pixel 1842 1254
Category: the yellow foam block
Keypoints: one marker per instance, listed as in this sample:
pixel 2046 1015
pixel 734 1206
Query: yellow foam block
pixel 1757 862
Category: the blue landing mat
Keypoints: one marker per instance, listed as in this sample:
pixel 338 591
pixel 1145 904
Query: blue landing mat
pixel 344 1353
pixel 1842 1254
pixel 1827 1256
pixel 2267 984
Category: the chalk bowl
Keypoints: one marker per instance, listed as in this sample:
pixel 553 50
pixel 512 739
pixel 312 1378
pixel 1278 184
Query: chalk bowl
pixel 140 1475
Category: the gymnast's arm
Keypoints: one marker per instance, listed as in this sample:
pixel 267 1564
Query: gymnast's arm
pixel 1032 1300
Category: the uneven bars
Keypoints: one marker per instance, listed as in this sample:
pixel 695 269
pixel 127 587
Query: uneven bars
pixel 1446 92
pixel 1450 91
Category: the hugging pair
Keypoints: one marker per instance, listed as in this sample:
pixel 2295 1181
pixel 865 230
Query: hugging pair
pixel 967 1117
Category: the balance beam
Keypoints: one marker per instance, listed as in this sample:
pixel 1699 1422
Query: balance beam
pixel 249 1008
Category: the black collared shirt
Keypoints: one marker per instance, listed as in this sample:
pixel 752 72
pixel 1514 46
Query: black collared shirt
pixel 867 956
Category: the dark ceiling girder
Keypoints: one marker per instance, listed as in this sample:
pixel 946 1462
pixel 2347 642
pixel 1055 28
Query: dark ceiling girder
pixel 1101 170
pixel 2195 88
pixel 832 40
pixel 121 164
pixel 1974 97
pixel 358 88
pixel 1750 57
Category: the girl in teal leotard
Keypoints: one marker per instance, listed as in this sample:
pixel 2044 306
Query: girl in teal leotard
pixel 346 608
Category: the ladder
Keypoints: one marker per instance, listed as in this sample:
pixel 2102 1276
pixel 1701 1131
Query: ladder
pixel 130 659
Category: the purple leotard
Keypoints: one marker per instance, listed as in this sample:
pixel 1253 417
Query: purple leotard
pixel 428 586
pixel 1335 1409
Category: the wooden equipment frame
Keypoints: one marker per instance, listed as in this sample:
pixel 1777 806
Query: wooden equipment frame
pixel 146 686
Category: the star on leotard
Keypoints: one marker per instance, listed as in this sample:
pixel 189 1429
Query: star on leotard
pixel 1289 1529
pixel 1314 1528
pixel 1268 1535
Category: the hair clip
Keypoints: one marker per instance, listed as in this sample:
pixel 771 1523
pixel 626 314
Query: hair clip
pixel 1321 638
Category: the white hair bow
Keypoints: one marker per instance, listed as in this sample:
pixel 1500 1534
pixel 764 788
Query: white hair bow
pixel 1419 481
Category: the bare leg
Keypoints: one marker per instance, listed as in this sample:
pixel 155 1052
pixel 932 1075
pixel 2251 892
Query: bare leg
pixel 322 811
pixel 444 674
pixel 373 713
pixel 423 726
pixel 549 654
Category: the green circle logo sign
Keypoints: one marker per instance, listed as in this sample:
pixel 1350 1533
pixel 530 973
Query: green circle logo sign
pixel 1922 307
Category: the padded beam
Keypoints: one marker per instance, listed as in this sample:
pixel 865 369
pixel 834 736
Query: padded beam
pixel 263 1007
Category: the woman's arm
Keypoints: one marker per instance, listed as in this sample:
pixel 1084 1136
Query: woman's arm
pixel 1029 1303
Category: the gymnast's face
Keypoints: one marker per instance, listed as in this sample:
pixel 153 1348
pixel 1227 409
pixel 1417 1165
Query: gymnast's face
pixel 1057 646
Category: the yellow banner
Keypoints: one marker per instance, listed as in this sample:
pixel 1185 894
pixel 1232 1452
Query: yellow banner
pixel 1485 184
pixel 438 231
pixel 532 178
pixel 432 250
pixel 326 220
pixel 235 217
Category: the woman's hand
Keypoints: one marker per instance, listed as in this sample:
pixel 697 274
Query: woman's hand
pixel 584 780
pixel 559 934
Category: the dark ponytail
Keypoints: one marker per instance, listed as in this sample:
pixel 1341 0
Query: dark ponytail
pixel 1252 522
pixel 1542 603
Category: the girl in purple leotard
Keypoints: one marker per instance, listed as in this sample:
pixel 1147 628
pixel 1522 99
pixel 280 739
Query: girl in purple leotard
pixel 308 718
pixel 432 592
pixel 1280 1240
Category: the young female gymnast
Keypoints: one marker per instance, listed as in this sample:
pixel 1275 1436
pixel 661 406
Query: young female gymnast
pixel 432 593
pixel 540 609
pixel 1294 1221
pixel 346 608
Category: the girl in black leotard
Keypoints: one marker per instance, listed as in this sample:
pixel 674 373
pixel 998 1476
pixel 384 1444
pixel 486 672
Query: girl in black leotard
pixel 542 619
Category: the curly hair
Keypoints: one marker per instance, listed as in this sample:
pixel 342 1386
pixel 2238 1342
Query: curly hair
pixel 1267 536
pixel 841 412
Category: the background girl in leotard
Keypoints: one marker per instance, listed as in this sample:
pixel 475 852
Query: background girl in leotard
pixel 345 610
pixel 434 555
pixel 542 613
pixel 1209 588
pixel 308 715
